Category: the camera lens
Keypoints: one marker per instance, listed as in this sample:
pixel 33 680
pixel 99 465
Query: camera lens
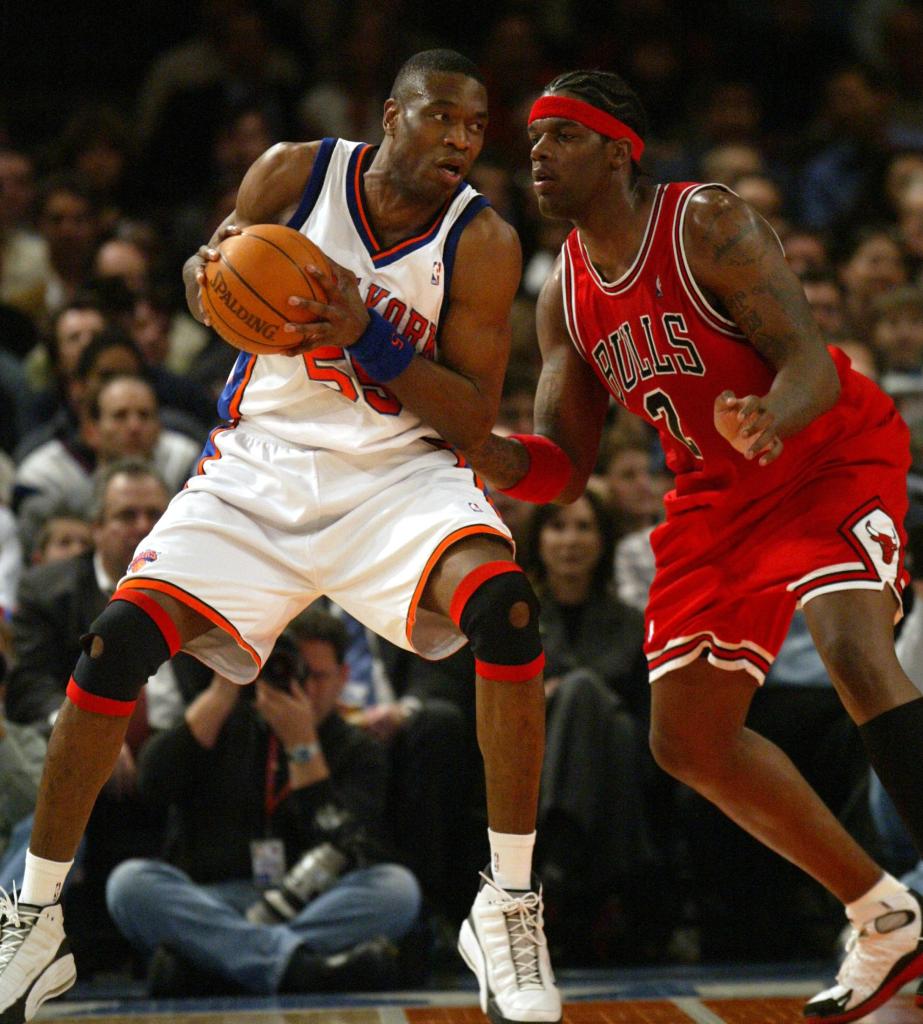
pixel 284 665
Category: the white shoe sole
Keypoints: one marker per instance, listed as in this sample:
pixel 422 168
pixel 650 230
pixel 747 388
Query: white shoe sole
pixel 56 979
pixel 473 955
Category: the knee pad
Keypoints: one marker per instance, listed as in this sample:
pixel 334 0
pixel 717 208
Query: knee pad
pixel 496 608
pixel 137 637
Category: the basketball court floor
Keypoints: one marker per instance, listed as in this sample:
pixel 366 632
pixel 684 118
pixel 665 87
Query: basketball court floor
pixel 739 994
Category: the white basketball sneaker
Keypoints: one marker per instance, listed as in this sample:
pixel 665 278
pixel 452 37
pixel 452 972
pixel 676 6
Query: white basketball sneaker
pixel 36 963
pixel 503 942
pixel 883 953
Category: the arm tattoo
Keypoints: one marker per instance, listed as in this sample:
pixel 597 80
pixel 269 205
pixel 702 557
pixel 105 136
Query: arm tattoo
pixel 501 461
pixel 728 251
pixel 768 302
pixel 547 400
pixel 746 318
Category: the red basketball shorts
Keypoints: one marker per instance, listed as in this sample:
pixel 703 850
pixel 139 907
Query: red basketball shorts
pixel 730 577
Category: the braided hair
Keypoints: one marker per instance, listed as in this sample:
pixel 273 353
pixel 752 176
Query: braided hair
pixel 606 91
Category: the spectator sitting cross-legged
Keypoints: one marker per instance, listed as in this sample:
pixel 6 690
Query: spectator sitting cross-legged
pixel 272 881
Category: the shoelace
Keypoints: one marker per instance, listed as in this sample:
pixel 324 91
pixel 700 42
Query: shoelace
pixel 524 923
pixel 863 959
pixel 15 925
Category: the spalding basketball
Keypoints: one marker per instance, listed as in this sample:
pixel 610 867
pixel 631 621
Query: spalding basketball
pixel 247 289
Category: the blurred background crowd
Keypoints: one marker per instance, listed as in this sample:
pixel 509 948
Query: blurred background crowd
pixel 124 133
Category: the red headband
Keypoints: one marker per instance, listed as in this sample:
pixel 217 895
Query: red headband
pixel 589 116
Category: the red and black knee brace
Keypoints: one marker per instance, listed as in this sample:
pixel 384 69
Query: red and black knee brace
pixel 137 638
pixel 488 608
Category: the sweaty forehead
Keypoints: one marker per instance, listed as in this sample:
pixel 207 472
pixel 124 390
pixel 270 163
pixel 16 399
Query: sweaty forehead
pixel 448 87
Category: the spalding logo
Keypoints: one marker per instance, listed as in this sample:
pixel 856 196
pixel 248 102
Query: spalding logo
pixel 143 558
pixel 255 323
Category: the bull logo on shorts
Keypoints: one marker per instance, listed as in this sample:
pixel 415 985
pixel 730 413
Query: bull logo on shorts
pixel 887 541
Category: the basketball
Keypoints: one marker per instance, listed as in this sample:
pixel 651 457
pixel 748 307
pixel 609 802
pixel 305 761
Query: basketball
pixel 246 290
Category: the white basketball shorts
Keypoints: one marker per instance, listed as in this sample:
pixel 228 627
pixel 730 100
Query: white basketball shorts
pixel 266 527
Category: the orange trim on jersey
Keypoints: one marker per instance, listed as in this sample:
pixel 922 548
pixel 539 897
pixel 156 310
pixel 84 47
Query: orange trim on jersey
pixel 151 608
pixel 234 404
pixel 200 465
pixel 418 238
pixel 360 207
pixel 197 606
pixel 510 673
pixel 98 705
pixel 447 542
pixel 472 581
pixel 357 192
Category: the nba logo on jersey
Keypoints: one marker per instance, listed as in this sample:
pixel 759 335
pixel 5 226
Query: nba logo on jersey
pixel 436 276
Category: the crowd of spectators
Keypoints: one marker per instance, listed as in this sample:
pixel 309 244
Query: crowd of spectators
pixel 812 112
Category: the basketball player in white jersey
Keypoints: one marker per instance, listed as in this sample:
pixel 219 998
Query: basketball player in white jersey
pixel 335 472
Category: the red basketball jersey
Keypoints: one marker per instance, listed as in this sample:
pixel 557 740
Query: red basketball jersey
pixel 665 353
pixel 742 544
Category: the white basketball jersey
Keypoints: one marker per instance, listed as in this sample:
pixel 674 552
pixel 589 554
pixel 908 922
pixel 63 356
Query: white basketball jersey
pixel 323 399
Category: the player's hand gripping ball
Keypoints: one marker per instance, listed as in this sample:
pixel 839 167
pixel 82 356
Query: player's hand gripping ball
pixel 246 290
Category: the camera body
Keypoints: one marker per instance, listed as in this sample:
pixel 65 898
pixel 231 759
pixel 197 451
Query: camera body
pixel 284 665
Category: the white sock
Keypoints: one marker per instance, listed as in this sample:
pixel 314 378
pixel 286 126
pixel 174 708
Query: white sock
pixel 511 859
pixel 43 880
pixel 886 889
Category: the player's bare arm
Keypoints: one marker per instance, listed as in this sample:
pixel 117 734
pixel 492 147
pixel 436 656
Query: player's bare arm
pixel 570 406
pixel 458 396
pixel 736 258
pixel 268 194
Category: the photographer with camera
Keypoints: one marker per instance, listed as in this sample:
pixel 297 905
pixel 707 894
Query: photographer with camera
pixel 272 880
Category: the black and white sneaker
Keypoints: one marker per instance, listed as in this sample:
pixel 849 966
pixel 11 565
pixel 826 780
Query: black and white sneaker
pixel 36 963
pixel 502 940
pixel 882 955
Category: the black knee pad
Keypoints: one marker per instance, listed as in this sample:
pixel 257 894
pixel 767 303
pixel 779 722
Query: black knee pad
pixel 504 636
pixel 137 637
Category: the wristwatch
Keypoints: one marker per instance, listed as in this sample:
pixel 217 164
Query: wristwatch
pixel 301 753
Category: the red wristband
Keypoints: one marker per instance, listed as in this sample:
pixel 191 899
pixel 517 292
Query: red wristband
pixel 548 473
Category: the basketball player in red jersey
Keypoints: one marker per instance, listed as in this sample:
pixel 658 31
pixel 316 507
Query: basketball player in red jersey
pixel 676 301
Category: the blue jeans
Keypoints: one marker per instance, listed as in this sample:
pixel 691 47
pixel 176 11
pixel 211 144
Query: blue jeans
pixel 156 904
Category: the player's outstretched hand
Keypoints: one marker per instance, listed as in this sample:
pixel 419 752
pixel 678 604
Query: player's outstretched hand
pixel 340 320
pixel 748 425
